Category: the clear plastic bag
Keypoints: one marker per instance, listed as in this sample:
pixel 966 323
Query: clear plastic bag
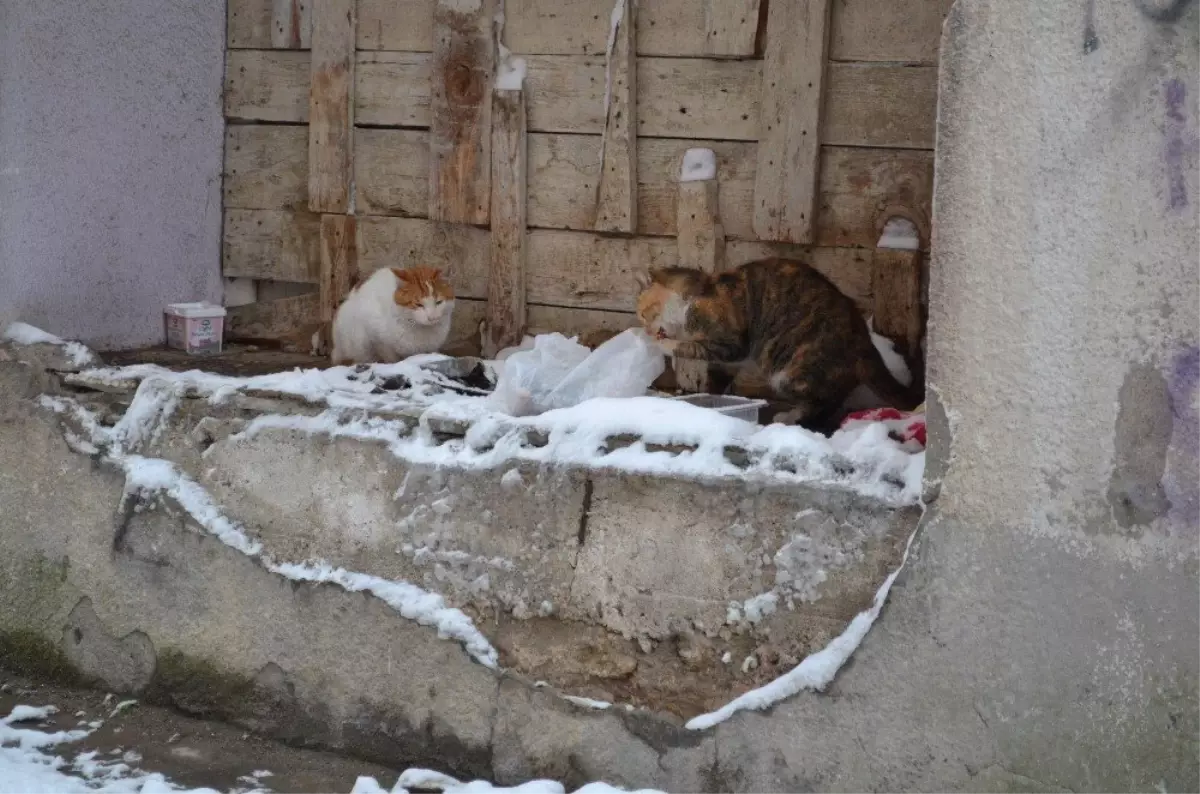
pixel 559 372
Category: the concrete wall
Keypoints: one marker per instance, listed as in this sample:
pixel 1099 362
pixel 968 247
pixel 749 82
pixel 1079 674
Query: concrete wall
pixel 110 163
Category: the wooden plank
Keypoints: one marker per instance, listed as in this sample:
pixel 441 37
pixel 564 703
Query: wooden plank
pixel 672 28
pixel 880 105
pixel 291 24
pixel 405 25
pixel 730 27
pixel 277 319
pixel 577 322
pixel 460 109
pixel 506 277
pixel 896 301
pixel 701 237
pixel 331 107
pixel 854 184
pixel 266 167
pixel 586 270
pixel 616 195
pixel 268 24
pixel 339 261
pixel 462 252
pixel 789 150
pixel 267 85
pixel 897 30
pixel 277 245
pixel 391 170
pixel 392 88
pixel 701 243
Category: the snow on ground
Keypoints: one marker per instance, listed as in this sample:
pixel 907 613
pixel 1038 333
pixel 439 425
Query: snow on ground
pixel 25 334
pixel 29 764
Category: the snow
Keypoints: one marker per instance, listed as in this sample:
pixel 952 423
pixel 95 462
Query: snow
pixel 510 71
pixel 28 714
pixel 816 671
pixel 24 334
pixel 429 780
pixel 900 234
pixel 893 360
pixel 699 165
pixel 145 477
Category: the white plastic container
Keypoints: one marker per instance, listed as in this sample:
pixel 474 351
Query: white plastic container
pixel 195 327
pixel 728 404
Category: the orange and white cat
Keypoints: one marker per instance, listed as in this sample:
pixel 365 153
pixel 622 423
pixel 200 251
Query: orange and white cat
pixel 394 314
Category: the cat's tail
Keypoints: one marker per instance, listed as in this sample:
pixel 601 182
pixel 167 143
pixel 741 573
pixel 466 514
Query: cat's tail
pixel 876 375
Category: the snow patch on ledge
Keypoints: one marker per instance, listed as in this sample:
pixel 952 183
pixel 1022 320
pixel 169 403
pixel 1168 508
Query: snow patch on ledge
pixel 699 165
pixel 147 477
pixel 25 334
pixel 816 671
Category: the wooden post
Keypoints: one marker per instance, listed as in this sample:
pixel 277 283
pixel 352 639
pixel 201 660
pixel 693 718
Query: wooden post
pixel 460 109
pixel 896 286
pixel 291 24
pixel 506 279
pixel 339 261
pixel 701 243
pixel 616 193
pixel 785 180
pixel 726 23
pixel 331 107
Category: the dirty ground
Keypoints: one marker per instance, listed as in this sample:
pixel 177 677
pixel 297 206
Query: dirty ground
pixel 189 752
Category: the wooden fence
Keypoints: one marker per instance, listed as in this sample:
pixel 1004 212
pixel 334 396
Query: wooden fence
pixel 367 133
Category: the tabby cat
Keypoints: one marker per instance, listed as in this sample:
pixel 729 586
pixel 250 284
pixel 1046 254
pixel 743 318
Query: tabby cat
pixel 809 340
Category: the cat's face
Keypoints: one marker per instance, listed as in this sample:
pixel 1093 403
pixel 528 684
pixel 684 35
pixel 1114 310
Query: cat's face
pixel 663 301
pixel 423 292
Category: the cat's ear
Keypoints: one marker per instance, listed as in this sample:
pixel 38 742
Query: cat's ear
pixel 642 279
pixel 401 273
pixel 435 274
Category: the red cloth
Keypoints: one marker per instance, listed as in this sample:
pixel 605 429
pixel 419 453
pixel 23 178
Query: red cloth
pixel 907 428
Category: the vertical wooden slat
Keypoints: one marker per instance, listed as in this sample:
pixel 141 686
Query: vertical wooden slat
pixel 896 296
pixel 291 24
pixel 701 243
pixel 616 195
pixel 506 279
pixel 331 107
pixel 785 183
pixel 460 111
pixel 727 23
pixel 339 261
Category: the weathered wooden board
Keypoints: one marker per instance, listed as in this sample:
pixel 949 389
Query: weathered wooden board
pixel 267 85
pixel 278 319
pixel 719 28
pixel 392 88
pixel 391 172
pixel 701 242
pixel 616 196
pixel 460 110
pixel 906 31
pixel 589 271
pixel 266 167
pixel 267 24
pixel 867 104
pixel 880 105
pixel 789 148
pixel 896 290
pixel 854 185
pixel 461 251
pixel 277 245
pixel 404 25
pixel 572 322
pixel 331 107
pixel 506 276
pixel 339 261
